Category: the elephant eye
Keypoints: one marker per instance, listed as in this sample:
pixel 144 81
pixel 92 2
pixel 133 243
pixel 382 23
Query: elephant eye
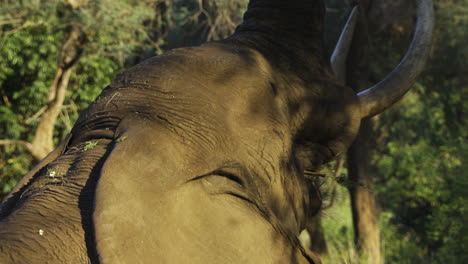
pixel 225 180
pixel 228 175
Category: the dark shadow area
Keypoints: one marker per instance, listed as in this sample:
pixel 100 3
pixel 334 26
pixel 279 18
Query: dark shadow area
pixel 86 205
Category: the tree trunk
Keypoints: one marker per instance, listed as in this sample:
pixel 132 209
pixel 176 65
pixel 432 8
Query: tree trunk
pixel 363 203
pixel 71 51
pixel 43 136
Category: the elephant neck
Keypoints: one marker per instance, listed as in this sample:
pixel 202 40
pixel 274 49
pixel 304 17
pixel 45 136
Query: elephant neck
pixel 292 28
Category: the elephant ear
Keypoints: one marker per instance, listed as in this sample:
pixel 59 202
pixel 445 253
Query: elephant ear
pixel 12 197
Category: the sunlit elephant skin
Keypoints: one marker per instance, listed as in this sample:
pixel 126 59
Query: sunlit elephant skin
pixel 195 156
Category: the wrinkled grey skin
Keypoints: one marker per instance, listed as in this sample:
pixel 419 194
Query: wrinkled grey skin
pixel 195 156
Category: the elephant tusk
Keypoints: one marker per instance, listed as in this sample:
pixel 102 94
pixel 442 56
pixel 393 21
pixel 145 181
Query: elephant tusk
pixel 340 54
pixel 388 91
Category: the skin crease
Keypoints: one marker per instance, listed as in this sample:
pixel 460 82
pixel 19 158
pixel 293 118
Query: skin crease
pixel 199 154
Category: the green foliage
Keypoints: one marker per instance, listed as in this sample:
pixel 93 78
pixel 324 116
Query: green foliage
pixel 198 21
pixel 27 66
pixel 397 247
pixel 90 145
pixel 115 28
pixel 423 150
pixel 338 230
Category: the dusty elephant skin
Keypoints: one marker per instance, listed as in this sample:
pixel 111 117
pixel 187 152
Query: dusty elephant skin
pixel 197 156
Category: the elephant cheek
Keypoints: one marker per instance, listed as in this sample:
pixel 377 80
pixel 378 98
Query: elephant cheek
pixel 215 229
pixel 188 225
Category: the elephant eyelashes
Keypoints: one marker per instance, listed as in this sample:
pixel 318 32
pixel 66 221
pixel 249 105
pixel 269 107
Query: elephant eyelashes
pixel 230 176
pixel 222 181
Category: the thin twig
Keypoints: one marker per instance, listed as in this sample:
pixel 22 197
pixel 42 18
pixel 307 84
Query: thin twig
pixel 5 34
pixel 36 115
pixel 332 189
pixel 10 21
pixel 6 142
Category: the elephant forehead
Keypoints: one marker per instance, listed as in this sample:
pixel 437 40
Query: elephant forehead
pixel 233 101
pixel 220 77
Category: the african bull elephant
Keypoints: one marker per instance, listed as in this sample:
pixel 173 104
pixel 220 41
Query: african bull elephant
pixel 197 156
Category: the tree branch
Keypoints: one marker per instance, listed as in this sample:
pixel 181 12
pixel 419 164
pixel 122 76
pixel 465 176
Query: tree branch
pixel 332 189
pixel 6 142
pixel 70 54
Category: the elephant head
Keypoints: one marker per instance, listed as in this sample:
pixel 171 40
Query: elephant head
pixel 197 155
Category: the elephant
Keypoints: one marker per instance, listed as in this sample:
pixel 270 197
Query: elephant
pixel 198 155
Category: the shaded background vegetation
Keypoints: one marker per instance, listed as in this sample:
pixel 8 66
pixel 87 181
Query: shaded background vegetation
pixel 57 55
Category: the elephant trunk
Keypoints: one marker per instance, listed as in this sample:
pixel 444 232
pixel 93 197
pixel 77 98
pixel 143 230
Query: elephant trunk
pixel 288 33
pixel 52 212
pixel 297 19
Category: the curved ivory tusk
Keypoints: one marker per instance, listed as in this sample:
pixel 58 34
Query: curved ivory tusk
pixel 388 91
pixel 340 54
